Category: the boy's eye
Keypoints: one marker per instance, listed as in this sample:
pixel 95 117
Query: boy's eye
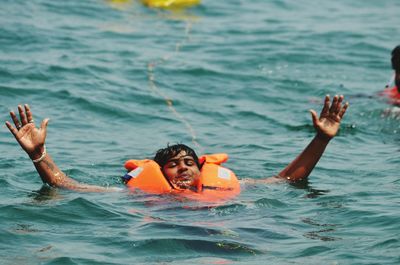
pixel 172 164
pixel 189 162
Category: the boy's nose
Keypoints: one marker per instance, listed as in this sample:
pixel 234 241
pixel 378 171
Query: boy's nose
pixel 182 166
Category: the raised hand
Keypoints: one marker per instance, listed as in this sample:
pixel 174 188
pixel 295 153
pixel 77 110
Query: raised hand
pixel 30 138
pixel 328 123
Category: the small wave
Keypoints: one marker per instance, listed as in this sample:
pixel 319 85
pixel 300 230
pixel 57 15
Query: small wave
pixel 174 246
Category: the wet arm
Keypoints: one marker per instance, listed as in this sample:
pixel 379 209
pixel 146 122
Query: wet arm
pixel 32 141
pixel 51 174
pixel 327 125
pixel 302 165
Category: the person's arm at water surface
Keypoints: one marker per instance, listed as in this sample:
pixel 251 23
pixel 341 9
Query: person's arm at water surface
pixel 327 125
pixel 32 140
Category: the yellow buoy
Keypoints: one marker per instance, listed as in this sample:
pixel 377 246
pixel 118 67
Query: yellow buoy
pixel 170 3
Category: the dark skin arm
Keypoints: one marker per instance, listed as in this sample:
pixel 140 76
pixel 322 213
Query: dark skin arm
pixel 32 140
pixel 327 125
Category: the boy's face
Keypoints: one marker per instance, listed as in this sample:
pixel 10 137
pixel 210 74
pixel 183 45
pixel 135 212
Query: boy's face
pixel 181 170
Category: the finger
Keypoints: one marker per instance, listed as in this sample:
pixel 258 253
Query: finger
pixel 15 120
pixel 326 105
pixel 43 126
pixel 314 117
pixel 22 115
pixel 28 113
pixel 343 110
pixel 339 104
pixel 12 129
pixel 334 104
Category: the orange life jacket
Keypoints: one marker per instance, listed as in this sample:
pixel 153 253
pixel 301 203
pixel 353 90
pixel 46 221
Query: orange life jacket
pixel 215 182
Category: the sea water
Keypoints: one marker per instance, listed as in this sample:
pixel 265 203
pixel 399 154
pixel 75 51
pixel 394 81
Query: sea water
pixel 119 81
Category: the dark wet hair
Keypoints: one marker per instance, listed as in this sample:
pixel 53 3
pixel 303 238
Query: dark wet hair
pixel 396 58
pixel 163 155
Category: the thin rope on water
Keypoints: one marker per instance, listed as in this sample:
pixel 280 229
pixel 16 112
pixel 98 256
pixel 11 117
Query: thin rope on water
pixel 151 66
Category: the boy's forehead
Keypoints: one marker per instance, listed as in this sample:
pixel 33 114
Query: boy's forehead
pixel 182 154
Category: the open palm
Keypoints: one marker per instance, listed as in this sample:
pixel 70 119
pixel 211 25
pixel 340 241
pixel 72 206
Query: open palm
pixel 328 123
pixel 28 136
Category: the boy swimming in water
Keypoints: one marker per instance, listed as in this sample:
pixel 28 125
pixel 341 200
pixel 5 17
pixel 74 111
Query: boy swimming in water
pixel 178 163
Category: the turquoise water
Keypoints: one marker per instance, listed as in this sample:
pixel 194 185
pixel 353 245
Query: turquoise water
pixel 241 76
